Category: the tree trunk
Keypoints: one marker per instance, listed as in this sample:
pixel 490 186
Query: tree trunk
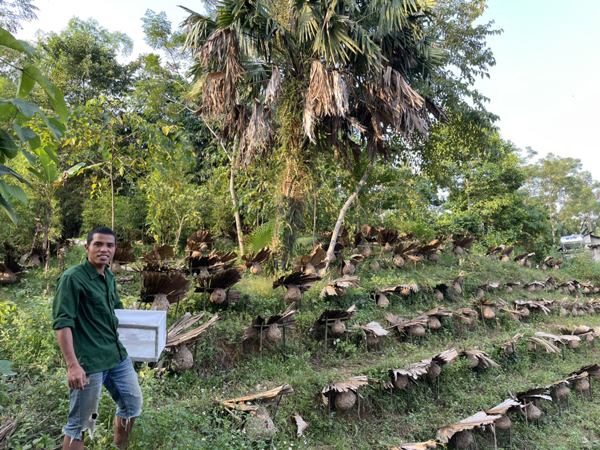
pixel 238 219
pixel 340 220
pixel 46 242
pixel 112 186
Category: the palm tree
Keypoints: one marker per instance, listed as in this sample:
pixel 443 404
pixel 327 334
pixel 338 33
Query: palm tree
pixel 331 76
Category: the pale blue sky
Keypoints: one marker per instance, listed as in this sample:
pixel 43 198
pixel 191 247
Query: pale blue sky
pixel 545 86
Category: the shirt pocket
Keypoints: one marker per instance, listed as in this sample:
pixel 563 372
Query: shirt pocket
pixel 97 306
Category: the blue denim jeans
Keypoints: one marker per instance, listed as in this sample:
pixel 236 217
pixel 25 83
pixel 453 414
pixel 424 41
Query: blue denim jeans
pixel 122 384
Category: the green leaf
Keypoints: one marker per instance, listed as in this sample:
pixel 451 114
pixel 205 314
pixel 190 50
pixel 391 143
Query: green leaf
pixel 75 168
pixel 24 133
pixel 5 367
pixel 39 175
pixel 7 208
pixel 26 82
pixel 8 40
pixel 4 170
pixel 15 192
pixel 7 145
pixel 7 110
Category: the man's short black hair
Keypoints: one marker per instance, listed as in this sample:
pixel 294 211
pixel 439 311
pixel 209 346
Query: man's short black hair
pixel 100 230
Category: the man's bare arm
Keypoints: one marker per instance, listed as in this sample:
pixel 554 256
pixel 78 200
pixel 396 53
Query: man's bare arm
pixel 75 373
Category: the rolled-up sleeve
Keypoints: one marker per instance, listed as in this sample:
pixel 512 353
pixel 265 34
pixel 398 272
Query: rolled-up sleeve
pixel 64 308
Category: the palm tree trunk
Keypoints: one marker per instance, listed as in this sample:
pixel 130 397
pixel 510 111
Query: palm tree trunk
pixel 112 186
pixel 238 219
pixel 340 220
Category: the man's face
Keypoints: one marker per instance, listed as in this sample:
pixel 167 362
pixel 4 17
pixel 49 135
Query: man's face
pixel 101 250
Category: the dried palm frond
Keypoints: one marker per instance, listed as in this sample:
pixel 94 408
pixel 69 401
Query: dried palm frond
pixel 258 136
pixel 507 405
pixel 478 358
pixel 523 259
pixel 162 253
pixel 220 280
pixel 494 250
pixel 462 245
pixel 466 315
pixel 300 424
pixel 287 319
pixel 176 334
pixel 174 285
pixel 312 263
pixel 333 315
pixel 353 384
pixel 274 90
pixel 539 305
pixel 337 288
pixel 256 258
pixel 417 446
pixel 124 253
pixel 505 254
pixel 476 421
pixel 374 329
pixel 387 237
pixel 542 393
pixel 200 240
pixel 264 398
pixel 304 281
pixel 212 263
pixel 403 325
pixel 446 357
pixel 370 233
pixel 440 311
pixel 548 346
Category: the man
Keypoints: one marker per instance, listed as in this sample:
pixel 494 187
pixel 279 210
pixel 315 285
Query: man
pixel 86 329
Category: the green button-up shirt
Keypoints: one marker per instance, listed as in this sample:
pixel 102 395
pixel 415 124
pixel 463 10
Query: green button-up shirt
pixel 86 303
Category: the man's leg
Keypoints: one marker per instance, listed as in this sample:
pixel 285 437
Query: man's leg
pixel 83 412
pixel 122 429
pixel 122 384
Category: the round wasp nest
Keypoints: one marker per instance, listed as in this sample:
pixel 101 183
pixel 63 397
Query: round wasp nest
pixel 366 250
pixel 345 400
pixel 473 361
pixel 509 289
pixel 182 359
pixel 533 412
pixel 435 257
pixel 480 293
pixel 524 311
pixel 309 268
pixel 589 337
pixel 488 313
pixel 528 264
pixel 515 316
pixel 503 423
pixel 582 385
pixel 374 265
pixel 459 250
pixel 387 247
pixel 572 288
pixel 463 439
pixel 531 288
pixel 434 370
pixel 438 295
pixel 544 267
pixel 372 340
pixel 382 301
pixel 434 323
pixel 256 269
pixel 457 288
pixel 398 261
pixel 259 425
pixel 586 290
pixel 338 327
pixel 349 268
pixel 273 334
pixel 401 382
pixel 160 303
pixel 505 258
pixel 531 346
pixel 293 294
pixel 563 311
pixel 573 343
pixel 218 296
pixel 591 310
pixel 508 350
pixel 562 391
pixel 417 330
pixel 581 312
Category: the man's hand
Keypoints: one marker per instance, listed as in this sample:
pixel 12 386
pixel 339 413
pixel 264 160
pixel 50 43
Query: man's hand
pixel 76 376
pixel 75 373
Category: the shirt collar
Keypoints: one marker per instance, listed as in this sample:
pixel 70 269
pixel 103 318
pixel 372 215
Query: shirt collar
pixel 91 270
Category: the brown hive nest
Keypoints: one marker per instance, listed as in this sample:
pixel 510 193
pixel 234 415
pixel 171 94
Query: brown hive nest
pixel 174 285
pixel 344 393
pixel 182 359
pixel 313 263
pixel 329 317
pixel 199 241
pixel 253 260
pixel 219 284
pixel 455 432
pixel 295 284
pixel 287 319
pixel 337 288
pixel 478 358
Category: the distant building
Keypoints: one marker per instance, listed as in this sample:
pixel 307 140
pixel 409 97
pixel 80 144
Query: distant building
pixel 575 241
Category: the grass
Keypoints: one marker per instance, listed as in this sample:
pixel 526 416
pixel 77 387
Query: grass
pixel 181 412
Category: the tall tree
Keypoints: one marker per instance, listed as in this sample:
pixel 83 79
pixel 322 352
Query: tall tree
pixel 15 11
pixel 333 78
pixel 82 59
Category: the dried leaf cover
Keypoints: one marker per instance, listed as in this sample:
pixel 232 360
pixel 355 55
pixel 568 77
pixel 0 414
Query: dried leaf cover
pixel 504 407
pixel 300 424
pixel 334 314
pixel 402 324
pixel 220 280
pixel 176 334
pixel 304 281
pixel 483 359
pixel 174 285
pixel 287 318
pixel 476 421
pixel 316 260
pixel 417 446
pixel 259 257
pixel 375 329
pixel 344 386
pixel 266 397
pixel 337 288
